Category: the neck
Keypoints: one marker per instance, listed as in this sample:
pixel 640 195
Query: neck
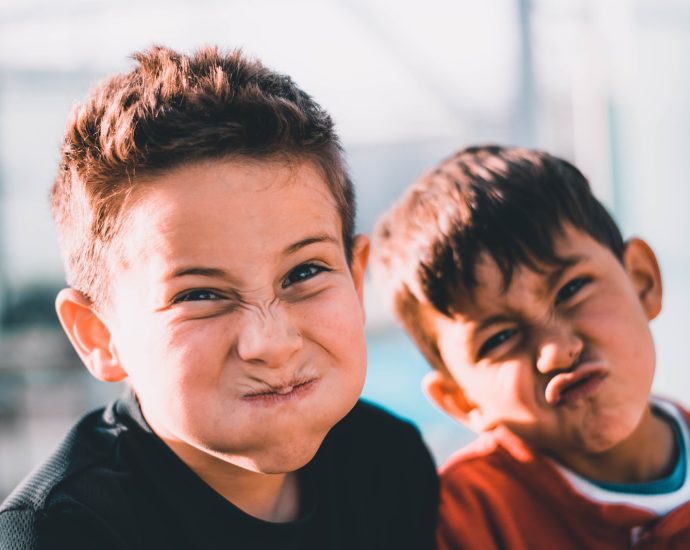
pixel 646 455
pixel 270 497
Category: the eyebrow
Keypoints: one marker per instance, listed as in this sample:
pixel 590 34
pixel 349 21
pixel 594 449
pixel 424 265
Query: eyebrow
pixel 203 271
pixel 564 265
pixel 221 273
pixel 552 279
pixel 494 319
pixel 321 238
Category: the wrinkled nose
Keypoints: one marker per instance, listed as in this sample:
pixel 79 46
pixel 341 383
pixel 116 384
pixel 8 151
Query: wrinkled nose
pixel 268 337
pixel 558 349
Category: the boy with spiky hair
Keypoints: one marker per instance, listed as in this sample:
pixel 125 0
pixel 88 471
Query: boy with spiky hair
pixel 517 286
pixel 206 220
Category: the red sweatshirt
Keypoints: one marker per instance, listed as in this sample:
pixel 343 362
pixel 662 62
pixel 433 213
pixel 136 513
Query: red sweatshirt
pixel 497 493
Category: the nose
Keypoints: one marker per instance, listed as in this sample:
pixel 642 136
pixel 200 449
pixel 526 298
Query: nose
pixel 558 348
pixel 268 336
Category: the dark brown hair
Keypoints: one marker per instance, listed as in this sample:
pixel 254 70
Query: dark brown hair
pixel 508 202
pixel 169 110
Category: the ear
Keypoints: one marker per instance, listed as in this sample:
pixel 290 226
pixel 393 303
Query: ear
pixel 358 265
pixel 89 335
pixel 643 269
pixel 448 395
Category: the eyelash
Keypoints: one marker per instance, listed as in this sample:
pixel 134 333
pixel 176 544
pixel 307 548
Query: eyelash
pixel 205 294
pixel 195 296
pixel 571 288
pixel 314 270
pixel 565 293
pixel 495 341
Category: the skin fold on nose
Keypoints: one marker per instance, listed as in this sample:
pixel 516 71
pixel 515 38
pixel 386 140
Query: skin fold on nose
pixel 559 349
pixel 267 335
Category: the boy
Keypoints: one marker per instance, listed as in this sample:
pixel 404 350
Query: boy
pixel 206 221
pixel 516 285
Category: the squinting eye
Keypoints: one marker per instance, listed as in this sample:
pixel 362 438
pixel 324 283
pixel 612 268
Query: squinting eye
pixel 197 295
pixel 301 273
pixel 571 288
pixel 496 340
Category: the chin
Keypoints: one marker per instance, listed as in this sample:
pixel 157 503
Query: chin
pixel 285 454
pixel 290 460
pixel 603 441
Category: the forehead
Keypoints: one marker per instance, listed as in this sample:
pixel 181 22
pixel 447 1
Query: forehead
pixel 218 208
pixel 526 285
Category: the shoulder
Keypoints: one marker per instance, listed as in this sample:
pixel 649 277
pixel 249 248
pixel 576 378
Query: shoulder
pixel 87 443
pixel 384 479
pixel 479 487
pixel 375 448
pixel 372 425
pixel 495 468
pixel 481 459
pixel 371 447
pixel 672 408
pixel 498 449
pixel 65 523
pixel 488 476
pixel 67 485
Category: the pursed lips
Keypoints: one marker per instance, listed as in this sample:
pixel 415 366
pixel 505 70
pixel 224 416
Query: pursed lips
pixel 578 383
pixel 282 391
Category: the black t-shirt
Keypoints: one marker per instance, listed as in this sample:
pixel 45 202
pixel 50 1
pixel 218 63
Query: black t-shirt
pixel 113 484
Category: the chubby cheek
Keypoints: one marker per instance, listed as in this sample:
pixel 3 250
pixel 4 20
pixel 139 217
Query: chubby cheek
pixel 335 323
pixel 504 393
pixel 515 392
pixel 179 377
pixel 621 336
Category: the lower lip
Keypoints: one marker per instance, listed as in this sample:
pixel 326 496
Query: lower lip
pixel 272 399
pixel 581 390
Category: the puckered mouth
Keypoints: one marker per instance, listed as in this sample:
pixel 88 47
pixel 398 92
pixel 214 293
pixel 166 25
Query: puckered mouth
pixel 579 383
pixel 276 392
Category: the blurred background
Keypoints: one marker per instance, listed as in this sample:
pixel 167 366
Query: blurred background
pixel 602 83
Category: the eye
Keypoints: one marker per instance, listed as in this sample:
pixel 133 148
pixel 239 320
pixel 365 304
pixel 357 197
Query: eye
pixel 197 295
pixel 571 288
pixel 496 340
pixel 302 272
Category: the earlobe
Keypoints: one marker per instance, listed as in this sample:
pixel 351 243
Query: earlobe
pixel 89 335
pixel 360 258
pixel 643 269
pixel 449 396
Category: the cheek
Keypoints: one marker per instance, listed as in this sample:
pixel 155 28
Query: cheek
pixel 505 390
pixel 179 387
pixel 620 329
pixel 168 358
pixel 513 387
pixel 335 322
pixel 333 330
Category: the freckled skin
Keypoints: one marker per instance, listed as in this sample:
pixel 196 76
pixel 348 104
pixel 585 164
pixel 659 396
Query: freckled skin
pixel 194 346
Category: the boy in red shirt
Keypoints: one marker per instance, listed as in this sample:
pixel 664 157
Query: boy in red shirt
pixel 516 285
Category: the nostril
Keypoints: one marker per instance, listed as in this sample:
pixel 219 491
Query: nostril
pixel 555 357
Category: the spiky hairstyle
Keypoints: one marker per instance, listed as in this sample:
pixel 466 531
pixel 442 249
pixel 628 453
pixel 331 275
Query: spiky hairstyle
pixel 169 110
